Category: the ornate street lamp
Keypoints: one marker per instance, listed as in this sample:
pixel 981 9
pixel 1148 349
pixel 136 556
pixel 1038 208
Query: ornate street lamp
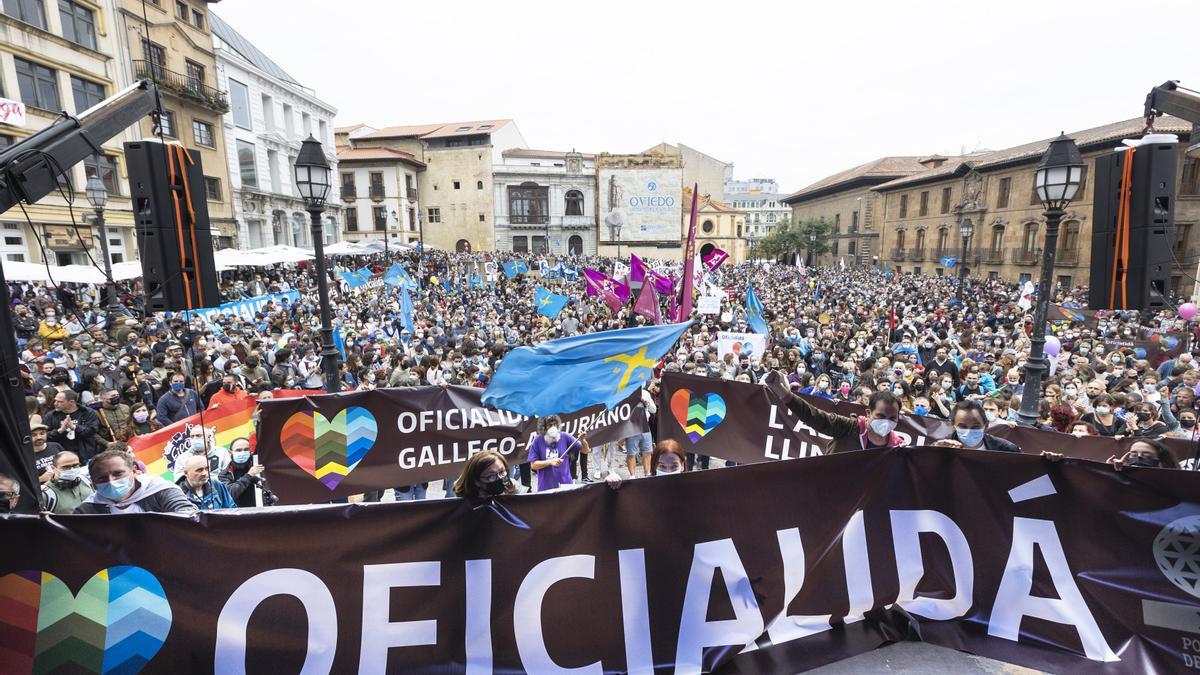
pixel 97 196
pixel 1058 178
pixel 966 229
pixel 312 180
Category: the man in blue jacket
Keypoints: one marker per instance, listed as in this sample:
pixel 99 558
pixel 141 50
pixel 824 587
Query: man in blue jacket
pixel 178 403
pixel 201 489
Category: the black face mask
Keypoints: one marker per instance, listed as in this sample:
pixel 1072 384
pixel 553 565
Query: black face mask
pixel 1187 424
pixel 1143 417
pixel 228 387
pixel 1144 461
pixel 496 487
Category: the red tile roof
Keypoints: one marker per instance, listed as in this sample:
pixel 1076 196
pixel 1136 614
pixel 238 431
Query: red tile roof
pixel 439 130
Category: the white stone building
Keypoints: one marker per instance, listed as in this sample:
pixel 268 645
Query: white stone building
pixel 545 201
pixel 763 211
pixel 270 115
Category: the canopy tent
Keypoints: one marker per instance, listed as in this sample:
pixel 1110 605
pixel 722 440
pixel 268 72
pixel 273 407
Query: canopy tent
pixel 79 274
pixel 351 248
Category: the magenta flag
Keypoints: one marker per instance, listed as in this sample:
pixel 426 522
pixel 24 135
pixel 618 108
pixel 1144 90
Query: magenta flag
pixel 639 271
pixel 689 261
pixel 714 258
pixel 647 304
pixel 599 283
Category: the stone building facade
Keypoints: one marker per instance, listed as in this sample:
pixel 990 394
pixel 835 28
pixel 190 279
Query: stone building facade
pixel 64 56
pixel 847 201
pixel 546 201
pixel 995 190
pixel 718 224
pixel 456 186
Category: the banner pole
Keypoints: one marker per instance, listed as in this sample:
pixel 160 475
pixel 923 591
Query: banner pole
pixel 258 493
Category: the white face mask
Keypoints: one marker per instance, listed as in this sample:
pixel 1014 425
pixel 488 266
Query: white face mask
pixel 883 427
pixel 665 472
pixel 552 434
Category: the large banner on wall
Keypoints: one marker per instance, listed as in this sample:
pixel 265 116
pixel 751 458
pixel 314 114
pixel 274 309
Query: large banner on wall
pixel 647 201
pixel 746 423
pixel 777 567
pixel 318 448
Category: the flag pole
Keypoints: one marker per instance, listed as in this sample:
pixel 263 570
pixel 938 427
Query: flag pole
pixel 689 260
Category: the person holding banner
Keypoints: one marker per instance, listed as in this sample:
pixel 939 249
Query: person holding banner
pixel 119 489
pixel 970 425
pixel 550 454
pixel 875 430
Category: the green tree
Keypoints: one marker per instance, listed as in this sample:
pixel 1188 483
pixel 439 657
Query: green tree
pixel 798 238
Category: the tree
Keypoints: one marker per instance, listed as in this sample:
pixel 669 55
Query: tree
pixel 790 238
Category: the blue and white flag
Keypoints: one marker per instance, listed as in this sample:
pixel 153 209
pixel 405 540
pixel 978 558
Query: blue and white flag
pixel 568 374
pixel 754 310
pixel 549 304
pixel 949 261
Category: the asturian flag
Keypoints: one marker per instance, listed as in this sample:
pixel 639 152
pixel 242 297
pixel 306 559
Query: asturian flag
pixel 549 304
pixel 568 374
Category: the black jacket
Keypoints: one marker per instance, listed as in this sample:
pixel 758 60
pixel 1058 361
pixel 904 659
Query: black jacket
pixel 997 444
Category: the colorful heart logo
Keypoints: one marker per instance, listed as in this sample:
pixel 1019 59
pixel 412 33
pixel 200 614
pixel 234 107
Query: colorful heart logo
pixel 115 624
pixel 698 414
pixel 329 450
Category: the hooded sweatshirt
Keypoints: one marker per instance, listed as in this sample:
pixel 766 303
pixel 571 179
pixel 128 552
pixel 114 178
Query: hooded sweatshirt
pixel 151 494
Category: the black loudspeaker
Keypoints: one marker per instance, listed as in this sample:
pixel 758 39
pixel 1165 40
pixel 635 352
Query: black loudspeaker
pixel 170 211
pixel 1132 269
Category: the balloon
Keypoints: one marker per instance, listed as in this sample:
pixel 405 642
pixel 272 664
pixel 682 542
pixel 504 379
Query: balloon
pixel 1053 346
pixel 1140 353
pixel 1187 311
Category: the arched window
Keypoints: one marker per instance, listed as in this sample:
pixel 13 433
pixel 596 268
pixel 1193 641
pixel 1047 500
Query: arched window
pixel 463 246
pixel 900 240
pixel 920 240
pixel 575 245
pixel 1029 242
pixel 998 238
pixel 574 203
pixel 478 185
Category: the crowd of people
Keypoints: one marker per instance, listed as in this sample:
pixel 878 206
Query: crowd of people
pixel 896 343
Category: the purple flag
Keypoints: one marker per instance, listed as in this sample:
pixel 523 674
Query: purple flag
pixel 598 283
pixel 647 304
pixel 714 258
pixel 689 261
pixel 639 271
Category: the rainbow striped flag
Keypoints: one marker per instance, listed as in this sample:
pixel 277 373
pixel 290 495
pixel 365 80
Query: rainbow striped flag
pixel 159 450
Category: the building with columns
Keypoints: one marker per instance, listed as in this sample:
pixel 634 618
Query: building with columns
pixel 270 114
pixel 545 202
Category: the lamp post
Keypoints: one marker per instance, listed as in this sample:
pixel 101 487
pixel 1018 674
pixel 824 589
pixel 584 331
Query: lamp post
pixel 966 228
pixel 1057 180
pixel 812 241
pixel 97 195
pixel 615 230
pixel 312 179
pixel 421 253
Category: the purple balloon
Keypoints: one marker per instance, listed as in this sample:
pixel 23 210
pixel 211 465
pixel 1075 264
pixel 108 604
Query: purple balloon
pixel 1053 346
pixel 1187 311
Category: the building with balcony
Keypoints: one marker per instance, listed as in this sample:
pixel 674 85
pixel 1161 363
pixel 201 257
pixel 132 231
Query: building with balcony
pixel 451 165
pixel 764 211
pixel 378 190
pixel 847 201
pixel 718 224
pixel 545 202
pixel 176 52
pixel 61 56
pixel 995 190
pixel 270 114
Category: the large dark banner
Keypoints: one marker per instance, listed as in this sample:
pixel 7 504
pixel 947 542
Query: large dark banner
pixel 746 423
pixel 774 567
pixel 318 448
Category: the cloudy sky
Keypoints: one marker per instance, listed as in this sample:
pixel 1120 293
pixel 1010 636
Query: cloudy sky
pixel 790 90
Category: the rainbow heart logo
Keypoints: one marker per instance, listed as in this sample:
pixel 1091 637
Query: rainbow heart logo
pixel 328 450
pixel 115 624
pixel 698 414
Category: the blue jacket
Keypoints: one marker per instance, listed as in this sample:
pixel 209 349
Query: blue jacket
pixel 216 495
pixel 172 408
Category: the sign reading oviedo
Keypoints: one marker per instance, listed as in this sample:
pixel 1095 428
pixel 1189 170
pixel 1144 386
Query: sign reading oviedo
pixel 776 567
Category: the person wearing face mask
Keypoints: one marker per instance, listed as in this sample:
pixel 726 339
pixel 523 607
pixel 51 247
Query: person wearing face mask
pixel 1144 422
pixel 10 493
pixel 50 328
pixel 201 488
pixel 821 388
pixel 1104 419
pixel 200 444
pixel 69 486
pixel 141 420
pixel 552 452
pixel 242 474
pixel 230 392
pixel 483 478
pixel 1145 453
pixel 119 489
pixel 875 430
pixel 667 459
pixel 178 403
pixel 114 418
pixel 970 423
